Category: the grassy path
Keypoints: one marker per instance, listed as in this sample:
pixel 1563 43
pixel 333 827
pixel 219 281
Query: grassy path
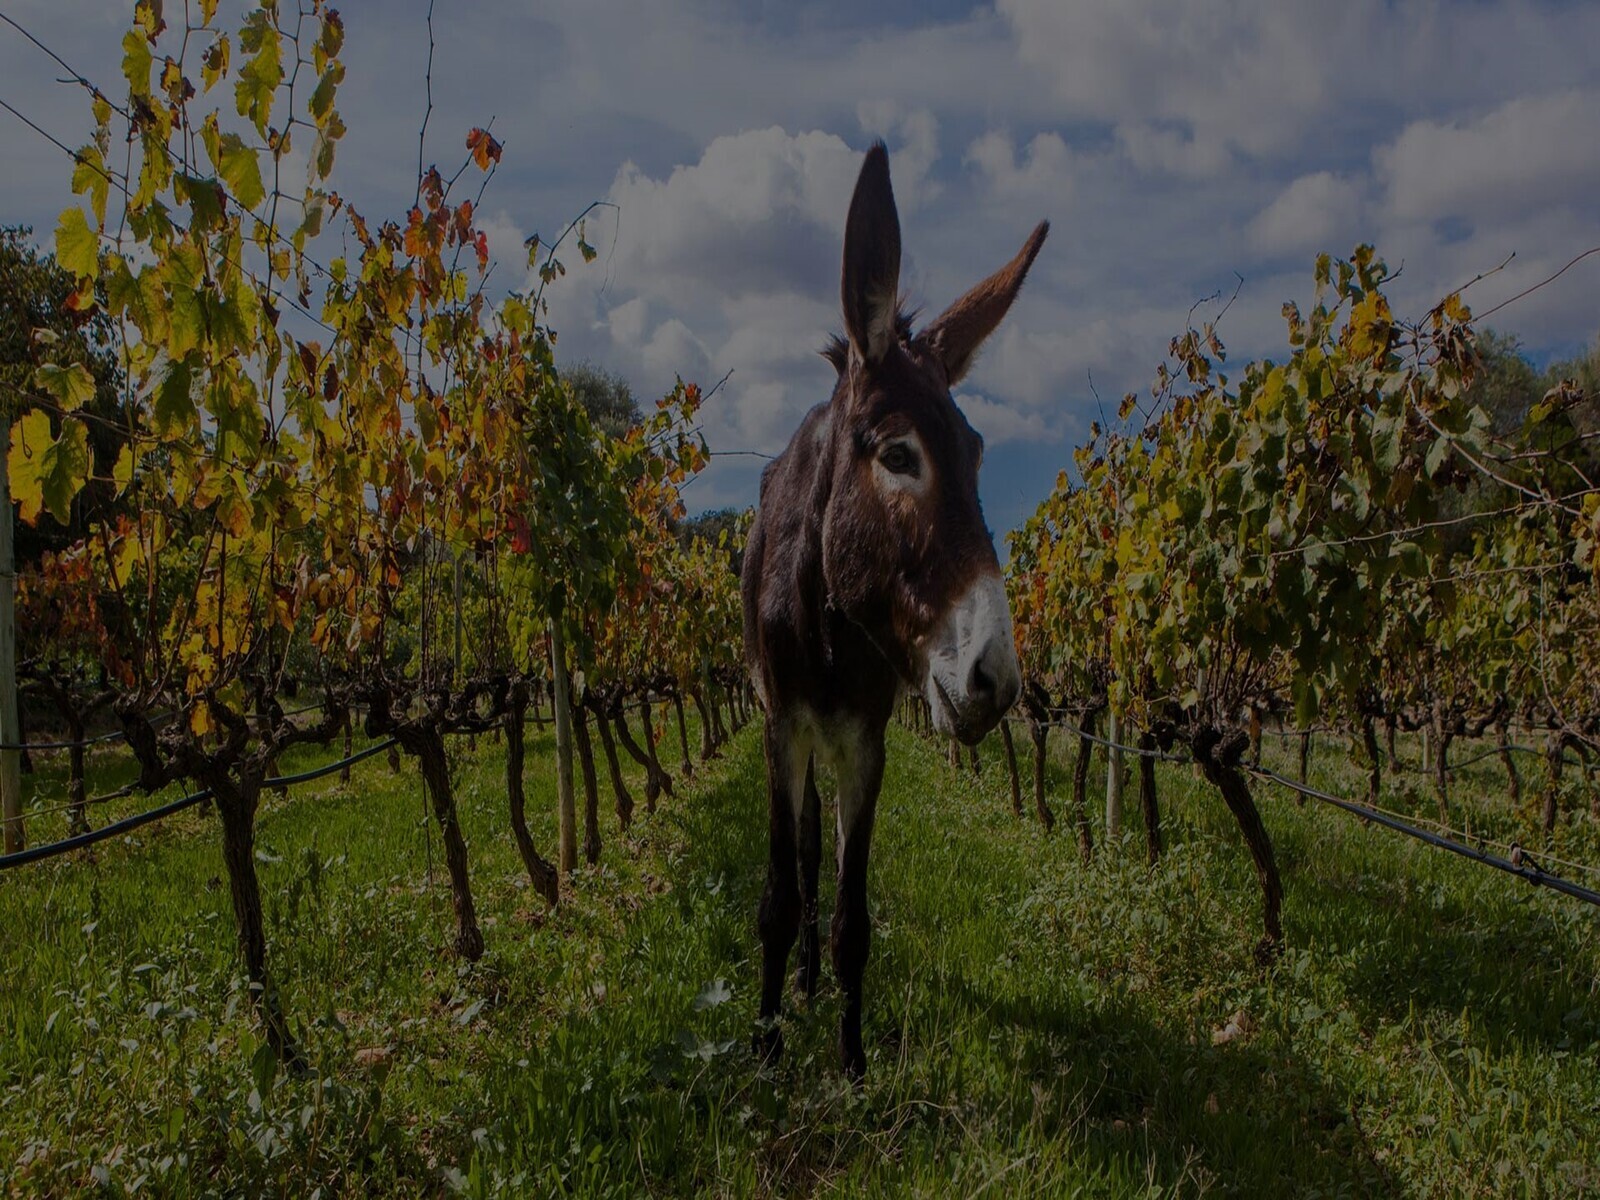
pixel 1033 1028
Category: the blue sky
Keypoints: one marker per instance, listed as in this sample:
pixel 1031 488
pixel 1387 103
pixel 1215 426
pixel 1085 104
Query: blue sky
pixel 1170 146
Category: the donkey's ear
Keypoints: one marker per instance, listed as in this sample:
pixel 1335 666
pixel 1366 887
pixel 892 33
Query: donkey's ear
pixel 958 332
pixel 871 260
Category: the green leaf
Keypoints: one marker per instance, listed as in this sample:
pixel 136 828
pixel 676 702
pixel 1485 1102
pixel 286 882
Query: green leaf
pixel 214 64
pixel 122 472
pixel 29 437
pixel 175 409
pixel 322 97
pixel 72 386
pixel 259 78
pixel 89 176
pixel 66 469
pixel 45 471
pixel 264 1068
pixel 185 321
pixel 1412 560
pixel 136 63
pixel 204 197
pixel 714 994
pixel 1437 453
pixel 77 246
pixel 240 170
pixel 1386 444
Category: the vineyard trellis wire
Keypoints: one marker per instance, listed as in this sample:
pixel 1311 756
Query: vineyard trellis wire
pixel 1520 861
pixel 116 828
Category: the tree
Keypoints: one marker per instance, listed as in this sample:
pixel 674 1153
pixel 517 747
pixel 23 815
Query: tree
pixel 1505 384
pixel 711 525
pixel 39 322
pixel 605 396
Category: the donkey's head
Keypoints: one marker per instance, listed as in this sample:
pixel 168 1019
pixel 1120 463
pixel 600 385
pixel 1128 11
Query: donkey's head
pixel 906 554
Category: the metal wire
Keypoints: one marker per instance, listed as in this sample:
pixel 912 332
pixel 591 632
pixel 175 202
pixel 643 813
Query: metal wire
pixel 1520 864
pixel 79 841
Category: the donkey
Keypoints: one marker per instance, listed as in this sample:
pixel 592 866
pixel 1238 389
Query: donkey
pixel 869 569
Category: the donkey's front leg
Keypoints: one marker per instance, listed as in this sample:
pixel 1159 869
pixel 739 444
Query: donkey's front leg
pixel 810 965
pixel 860 777
pixel 779 918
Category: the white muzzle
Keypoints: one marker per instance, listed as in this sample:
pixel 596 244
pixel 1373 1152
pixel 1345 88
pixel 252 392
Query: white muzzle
pixel 973 677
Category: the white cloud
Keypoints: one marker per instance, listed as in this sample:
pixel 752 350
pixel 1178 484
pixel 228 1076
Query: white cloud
pixel 1171 145
pixel 1043 175
pixel 1315 212
pixel 1002 423
pixel 914 137
pixel 1171 149
pixel 1532 152
pixel 1186 83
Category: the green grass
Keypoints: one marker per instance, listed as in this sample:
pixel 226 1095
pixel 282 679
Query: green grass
pixel 1033 1027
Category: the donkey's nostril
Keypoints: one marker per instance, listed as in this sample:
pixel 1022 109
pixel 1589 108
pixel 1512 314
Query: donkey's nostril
pixel 980 684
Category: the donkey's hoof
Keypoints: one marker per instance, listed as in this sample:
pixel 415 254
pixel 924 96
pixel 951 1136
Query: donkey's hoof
pixel 854 1061
pixel 767 1043
pixel 806 976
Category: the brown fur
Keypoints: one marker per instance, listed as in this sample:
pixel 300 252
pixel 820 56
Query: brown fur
pixel 845 577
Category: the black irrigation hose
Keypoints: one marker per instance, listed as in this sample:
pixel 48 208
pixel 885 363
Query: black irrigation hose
pixel 1521 865
pixel 1158 755
pixel 77 842
pixel 1467 762
pixel 35 747
pixel 114 735
pixel 51 849
pixel 329 768
pixel 1524 869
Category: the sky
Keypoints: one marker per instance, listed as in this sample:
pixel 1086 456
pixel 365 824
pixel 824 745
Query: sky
pixel 1182 153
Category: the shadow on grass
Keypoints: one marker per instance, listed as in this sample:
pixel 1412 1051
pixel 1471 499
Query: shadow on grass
pixel 656 1088
pixel 1418 949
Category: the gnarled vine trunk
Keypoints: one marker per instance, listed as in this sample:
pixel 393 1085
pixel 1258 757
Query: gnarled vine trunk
pixel 619 786
pixel 1011 763
pixel 1555 759
pixel 706 747
pixel 1503 743
pixel 1080 787
pixel 427 743
pixel 75 776
pixel 1147 799
pixel 1369 742
pixel 236 804
pixel 542 874
pixel 591 785
pixel 647 710
pixel 1218 758
pixel 1040 733
pixel 1441 761
pixel 684 765
pixel 653 776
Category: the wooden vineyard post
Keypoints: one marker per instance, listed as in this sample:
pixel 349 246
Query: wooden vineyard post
pixel 10 726
pixel 568 851
pixel 1113 780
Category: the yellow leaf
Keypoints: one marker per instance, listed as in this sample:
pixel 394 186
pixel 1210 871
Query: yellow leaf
pixel 72 386
pixel 29 437
pixel 77 246
pixel 122 473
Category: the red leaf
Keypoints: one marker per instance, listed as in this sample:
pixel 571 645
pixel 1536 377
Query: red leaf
pixel 484 148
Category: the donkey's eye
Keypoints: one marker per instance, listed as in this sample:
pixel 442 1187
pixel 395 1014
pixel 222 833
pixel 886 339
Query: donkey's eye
pixel 898 458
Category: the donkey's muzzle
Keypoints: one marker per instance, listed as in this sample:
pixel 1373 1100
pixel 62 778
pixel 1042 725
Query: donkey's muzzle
pixel 973 677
